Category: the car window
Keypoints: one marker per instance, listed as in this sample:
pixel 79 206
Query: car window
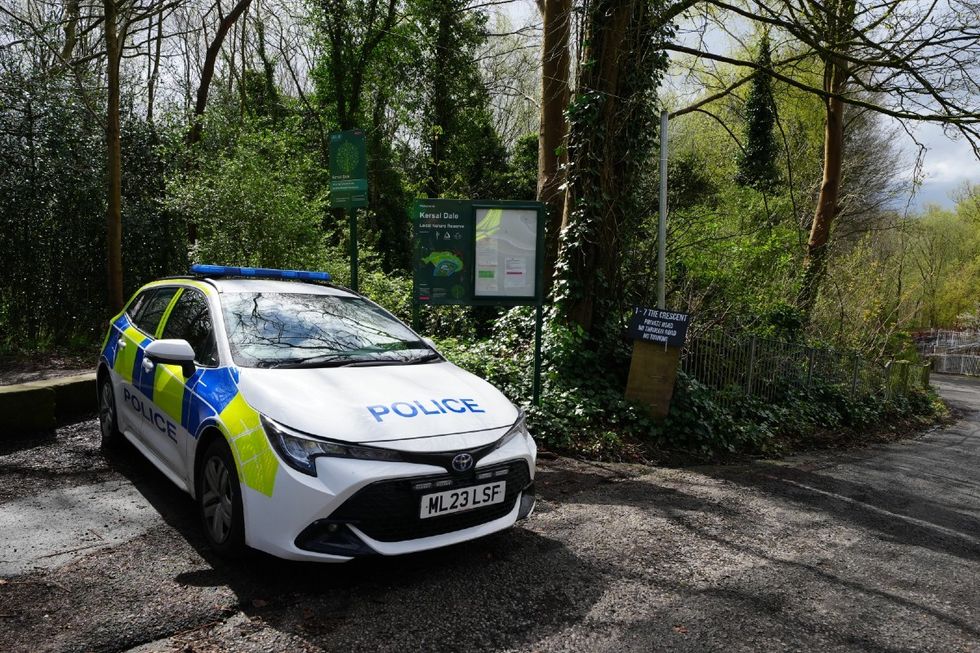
pixel 190 320
pixel 137 304
pixel 299 330
pixel 148 317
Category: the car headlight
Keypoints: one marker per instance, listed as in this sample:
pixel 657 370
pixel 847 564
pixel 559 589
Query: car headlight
pixel 300 450
pixel 518 429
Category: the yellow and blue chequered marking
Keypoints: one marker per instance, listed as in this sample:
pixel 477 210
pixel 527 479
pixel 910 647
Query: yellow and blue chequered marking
pixel 111 344
pixel 210 397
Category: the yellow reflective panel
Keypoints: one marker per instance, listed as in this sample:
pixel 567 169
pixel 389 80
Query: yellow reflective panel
pixel 257 464
pixel 126 356
pixel 168 390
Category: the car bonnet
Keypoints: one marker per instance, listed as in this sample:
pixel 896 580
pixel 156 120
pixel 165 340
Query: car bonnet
pixel 381 403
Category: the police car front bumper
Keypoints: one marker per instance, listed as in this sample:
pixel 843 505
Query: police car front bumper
pixel 361 507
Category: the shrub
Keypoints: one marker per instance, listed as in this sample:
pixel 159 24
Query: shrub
pixel 251 206
pixel 583 410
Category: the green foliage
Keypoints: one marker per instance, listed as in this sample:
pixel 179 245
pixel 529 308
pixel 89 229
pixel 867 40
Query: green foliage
pixel 251 206
pixel 583 410
pixel 520 182
pixel 757 163
pixel 921 272
pixel 462 155
pixel 53 212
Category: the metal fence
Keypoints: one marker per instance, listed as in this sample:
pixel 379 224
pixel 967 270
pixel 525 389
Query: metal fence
pixel 768 368
pixel 951 352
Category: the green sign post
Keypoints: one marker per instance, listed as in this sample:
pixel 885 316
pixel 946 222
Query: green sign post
pixel 348 183
pixel 481 253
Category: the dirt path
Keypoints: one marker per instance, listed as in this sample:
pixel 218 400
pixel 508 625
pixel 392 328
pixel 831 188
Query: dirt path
pixel 874 550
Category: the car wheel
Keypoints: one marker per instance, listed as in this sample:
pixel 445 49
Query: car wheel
pixel 108 417
pixel 219 500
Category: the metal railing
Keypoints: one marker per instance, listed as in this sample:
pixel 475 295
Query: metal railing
pixel 768 368
pixel 951 352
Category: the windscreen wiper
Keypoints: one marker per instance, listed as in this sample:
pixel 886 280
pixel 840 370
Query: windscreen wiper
pixel 313 361
pixel 428 358
pixel 336 361
pixel 392 361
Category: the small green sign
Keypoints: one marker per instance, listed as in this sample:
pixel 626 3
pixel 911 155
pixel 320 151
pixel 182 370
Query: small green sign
pixel 348 169
pixel 443 251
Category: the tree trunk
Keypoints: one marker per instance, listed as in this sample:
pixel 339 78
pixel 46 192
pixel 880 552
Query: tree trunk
pixel 114 212
pixel 154 69
pixel 71 31
pixel 440 94
pixel 599 143
pixel 815 263
pixel 207 71
pixel 552 150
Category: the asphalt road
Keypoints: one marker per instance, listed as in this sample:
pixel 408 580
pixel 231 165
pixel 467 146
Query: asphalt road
pixel 870 550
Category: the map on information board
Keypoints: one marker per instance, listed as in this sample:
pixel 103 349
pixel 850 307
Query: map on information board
pixel 506 246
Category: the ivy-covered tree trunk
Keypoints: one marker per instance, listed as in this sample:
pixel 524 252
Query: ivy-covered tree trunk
pixel 611 129
pixel 439 127
pixel 552 152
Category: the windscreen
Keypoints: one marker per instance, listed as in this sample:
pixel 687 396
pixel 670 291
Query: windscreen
pixel 308 330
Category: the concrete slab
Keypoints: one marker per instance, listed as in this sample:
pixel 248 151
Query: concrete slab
pixel 39 406
pixel 26 407
pixel 74 395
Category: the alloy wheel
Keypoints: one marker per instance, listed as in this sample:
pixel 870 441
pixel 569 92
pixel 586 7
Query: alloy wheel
pixel 107 411
pixel 217 500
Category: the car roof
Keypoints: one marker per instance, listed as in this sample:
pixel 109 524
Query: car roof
pixel 238 285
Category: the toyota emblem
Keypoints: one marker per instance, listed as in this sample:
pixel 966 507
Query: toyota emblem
pixel 462 462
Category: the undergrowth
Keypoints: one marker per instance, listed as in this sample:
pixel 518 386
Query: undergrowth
pixel 583 410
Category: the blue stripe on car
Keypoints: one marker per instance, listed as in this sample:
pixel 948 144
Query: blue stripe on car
pixel 142 380
pixel 211 390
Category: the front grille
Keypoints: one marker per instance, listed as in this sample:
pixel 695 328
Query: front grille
pixel 388 511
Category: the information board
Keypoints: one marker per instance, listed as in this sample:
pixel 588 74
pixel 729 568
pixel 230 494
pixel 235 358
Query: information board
pixel 506 250
pixel 443 258
pixel 478 252
pixel 657 326
pixel 348 169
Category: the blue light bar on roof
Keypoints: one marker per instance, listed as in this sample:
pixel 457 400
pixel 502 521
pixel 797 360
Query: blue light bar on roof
pixel 263 273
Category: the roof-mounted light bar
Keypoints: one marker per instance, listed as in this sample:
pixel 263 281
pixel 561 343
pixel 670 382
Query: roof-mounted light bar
pixel 263 273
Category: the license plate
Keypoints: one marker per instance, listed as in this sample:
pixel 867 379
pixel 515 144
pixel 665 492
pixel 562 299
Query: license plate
pixel 466 498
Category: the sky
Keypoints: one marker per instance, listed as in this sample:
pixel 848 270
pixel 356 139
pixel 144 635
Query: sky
pixel 948 164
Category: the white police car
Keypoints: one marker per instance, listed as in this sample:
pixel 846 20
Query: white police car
pixel 307 421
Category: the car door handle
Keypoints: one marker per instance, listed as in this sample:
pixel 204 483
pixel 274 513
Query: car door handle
pixel 121 342
pixel 147 365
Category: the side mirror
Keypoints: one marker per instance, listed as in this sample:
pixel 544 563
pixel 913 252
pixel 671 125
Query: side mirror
pixel 172 352
pixel 431 343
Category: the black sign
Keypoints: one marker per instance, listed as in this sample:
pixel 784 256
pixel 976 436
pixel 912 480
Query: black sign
pixel 443 251
pixel 661 327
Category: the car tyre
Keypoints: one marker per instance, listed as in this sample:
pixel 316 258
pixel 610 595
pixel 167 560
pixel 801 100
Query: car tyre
pixel 108 416
pixel 219 500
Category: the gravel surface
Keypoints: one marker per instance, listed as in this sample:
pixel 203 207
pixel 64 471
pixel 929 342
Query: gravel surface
pixel 870 550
